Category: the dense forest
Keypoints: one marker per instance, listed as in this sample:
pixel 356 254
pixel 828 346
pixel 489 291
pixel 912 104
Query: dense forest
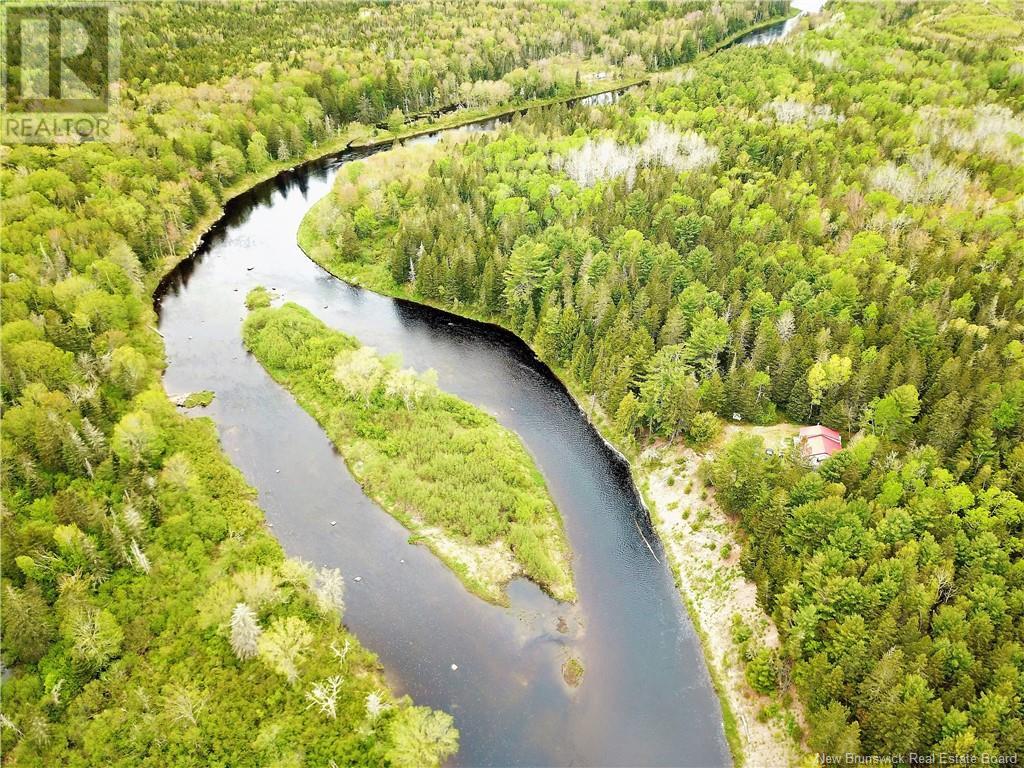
pixel 449 52
pixel 826 231
pixel 147 615
pixel 831 230
pixel 428 458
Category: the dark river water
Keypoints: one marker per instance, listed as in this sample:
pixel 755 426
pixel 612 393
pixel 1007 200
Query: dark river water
pixel 646 698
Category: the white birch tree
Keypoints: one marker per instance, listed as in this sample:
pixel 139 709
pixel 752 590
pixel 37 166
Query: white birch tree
pixel 324 696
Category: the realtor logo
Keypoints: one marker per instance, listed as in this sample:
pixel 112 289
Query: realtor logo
pixel 61 65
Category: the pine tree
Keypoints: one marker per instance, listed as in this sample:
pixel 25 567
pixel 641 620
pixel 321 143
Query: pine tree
pixel 628 414
pixel 711 394
pixel 28 625
pixel 490 289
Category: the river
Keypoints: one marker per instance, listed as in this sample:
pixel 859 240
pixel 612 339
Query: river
pixel 646 698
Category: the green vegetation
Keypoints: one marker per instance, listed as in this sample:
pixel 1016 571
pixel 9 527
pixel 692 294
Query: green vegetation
pixel 372 59
pixel 258 298
pixel 216 97
pixel 572 672
pixel 829 230
pixel 431 460
pixel 763 671
pixel 151 618
pixel 973 24
pixel 199 399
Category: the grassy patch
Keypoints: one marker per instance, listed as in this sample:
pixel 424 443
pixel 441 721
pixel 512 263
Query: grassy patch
pixel 199 399
pixel 257 298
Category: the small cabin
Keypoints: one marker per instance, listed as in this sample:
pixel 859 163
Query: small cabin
pixel 817 443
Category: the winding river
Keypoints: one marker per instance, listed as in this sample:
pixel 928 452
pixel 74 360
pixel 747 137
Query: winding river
pixel 646 698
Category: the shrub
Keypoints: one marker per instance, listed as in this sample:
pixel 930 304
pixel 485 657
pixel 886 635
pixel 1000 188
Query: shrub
pixel 763 671
pixel 257 298
pixel 704 429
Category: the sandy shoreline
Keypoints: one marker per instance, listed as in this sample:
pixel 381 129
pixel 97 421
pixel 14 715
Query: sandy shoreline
pixel 704 546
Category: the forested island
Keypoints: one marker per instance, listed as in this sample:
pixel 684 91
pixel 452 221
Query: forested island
pixel 825 230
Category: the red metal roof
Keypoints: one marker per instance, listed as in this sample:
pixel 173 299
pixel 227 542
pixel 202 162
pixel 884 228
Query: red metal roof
pixel 820 442
pixel 819 430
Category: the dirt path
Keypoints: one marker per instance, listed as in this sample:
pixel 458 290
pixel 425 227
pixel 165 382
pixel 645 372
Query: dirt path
pixel 705 548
